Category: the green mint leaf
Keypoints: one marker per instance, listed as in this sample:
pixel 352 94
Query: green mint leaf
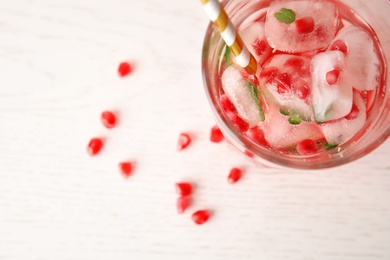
pixel 330 146
pixel 294 120
pixel 228 56
pixel 285 15
pixel 284 111
pixel 255 95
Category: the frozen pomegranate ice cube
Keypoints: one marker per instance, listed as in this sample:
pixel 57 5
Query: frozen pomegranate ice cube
pixel 331 91
pixel 254 38
pixel 341 130
pixel 243 95
pixel 313 28
pixel 285 79
pixel 279 133
pixel 361 59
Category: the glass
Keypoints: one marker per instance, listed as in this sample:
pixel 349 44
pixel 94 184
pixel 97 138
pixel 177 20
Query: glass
pixel 377 127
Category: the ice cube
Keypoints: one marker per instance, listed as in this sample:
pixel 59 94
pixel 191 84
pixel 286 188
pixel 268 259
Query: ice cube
pixel 254 38
pixel 361 62
pixel 243 95
pixel 279 133
pixel 285 80
pixel 331 91
pixel 314 26
pixel 341 130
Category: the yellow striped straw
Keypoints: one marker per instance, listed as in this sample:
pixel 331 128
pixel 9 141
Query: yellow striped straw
pixel 218 16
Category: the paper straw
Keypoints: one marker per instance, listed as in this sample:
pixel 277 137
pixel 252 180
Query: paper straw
pixel 218 16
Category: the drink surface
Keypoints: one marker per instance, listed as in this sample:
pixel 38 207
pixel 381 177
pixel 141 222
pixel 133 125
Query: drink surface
pixel 320 70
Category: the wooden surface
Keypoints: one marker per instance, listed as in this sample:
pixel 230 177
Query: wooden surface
pixel 58 63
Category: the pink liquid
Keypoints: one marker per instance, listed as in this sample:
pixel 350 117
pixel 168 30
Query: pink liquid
pixel 289 95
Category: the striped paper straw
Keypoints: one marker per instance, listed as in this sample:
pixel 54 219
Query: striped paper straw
pixel 218 16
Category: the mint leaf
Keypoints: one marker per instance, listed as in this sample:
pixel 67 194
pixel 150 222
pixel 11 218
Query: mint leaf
pixel 330 146
pixel 255 95
pixel 228 56
pixel 294 120
pixel 285 15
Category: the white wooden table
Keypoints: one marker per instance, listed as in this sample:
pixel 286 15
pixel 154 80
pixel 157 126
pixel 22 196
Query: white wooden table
pixel 58 62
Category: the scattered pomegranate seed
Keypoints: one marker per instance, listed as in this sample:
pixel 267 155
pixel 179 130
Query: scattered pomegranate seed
pixel 126 168
pixel 108 119
pixel 259 46
pixel 354 113
pixel 239 123
pixel 234 175
pixel 306 147
pixel 124 68
pixel 183 188
pixel 249 154
pixel 294 62
pixel 332 76
pixel 94 146
pixel 339 45
pixel 183 142
pixel 284 83
pixel 304 25
pixel 182 204
pixel 216 135
pixel 200 216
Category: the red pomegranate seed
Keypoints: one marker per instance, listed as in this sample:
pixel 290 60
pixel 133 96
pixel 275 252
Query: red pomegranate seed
pixel 239 123
pixel 303 91
pixel 306 147
pixel 304 25
pixel 339 45
pixel 295 62
pixel 183 142
pixel 183 188
pixel 234 175
pixel 182 204
pixel 227 106
pixel 249 154
pixel 284 83
pixel 269 74
pixel 124 68
pixel 126 168
pixel 200 216
pixel 332 76
pixel 259 46
pixel 354 113
pixel 257 136
pixel 108 119
pixel 216 135
pixel 94 146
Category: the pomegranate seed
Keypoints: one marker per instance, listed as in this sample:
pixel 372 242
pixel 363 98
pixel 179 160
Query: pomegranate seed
pixel 257 136
pixel 306 147
pixel 183 188
pixel 234 175
pixel 108 119
pixel 249 154
pixel 126 168
pixel 332 76
pixel 227 106
pixel 294 62
pixel 124 68
pixel 183 142
pixel 284 83
pixel 200 216
pixel 354 113
pixel 304 25
pixel 269 74
pixel 339 45
pixel 259 46
pixel 182 204
pixel 240 124
pixel 303 91
pixel 94 146
pixel 216 135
